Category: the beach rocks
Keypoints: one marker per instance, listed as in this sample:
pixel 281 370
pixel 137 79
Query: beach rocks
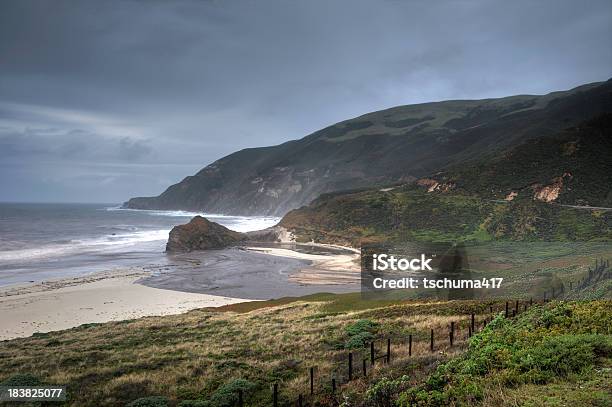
pixel 202 234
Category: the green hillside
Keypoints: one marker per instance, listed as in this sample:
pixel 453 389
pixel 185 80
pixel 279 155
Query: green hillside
pixel 467 202
pixel 389 146
pixel 581 153
pixel 410 213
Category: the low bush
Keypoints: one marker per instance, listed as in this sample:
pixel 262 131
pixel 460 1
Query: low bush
pixel 360 333
pixel 225 396
pixel 22 379
pixel 152 401
pixel 537 348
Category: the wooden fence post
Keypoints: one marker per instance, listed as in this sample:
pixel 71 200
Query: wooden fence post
pixel 516 306
pixel 372 353
pixel 473 323
pixel 469 331
pixel 388 350
pixel 300 400
pixel 333 385
pixel 431 341
pixel 240 398
pixel 530 301
pixel 311 381
pixel 350 366
pixel 452 333
pixel 490 309
pixel 365 372
pixel 410 345
pixel 275 395
pixel 506 313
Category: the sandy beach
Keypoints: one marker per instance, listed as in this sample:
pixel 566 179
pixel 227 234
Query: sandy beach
pixel 338 269
pixel 195 280
pixel 95 298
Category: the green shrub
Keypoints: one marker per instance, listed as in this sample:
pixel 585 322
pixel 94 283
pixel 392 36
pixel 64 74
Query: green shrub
pixel 363 325
pixel 227 394
pixel 358 341
pixel 152 401
pixel 360 333
pixel 194 403
pixel 383 392
pixel 558 356
pixel 22 379
pixel 539 347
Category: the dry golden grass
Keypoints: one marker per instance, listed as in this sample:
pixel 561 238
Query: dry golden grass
pixel 189 356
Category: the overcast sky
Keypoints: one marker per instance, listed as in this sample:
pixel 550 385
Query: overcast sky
pixel 104 100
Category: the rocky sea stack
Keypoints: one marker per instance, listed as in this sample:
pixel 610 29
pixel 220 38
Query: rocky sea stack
pixel 201 234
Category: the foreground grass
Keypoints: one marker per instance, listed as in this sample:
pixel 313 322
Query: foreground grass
pixel 207 355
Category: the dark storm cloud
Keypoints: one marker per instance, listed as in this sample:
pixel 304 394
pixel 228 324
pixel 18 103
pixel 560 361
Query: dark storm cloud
pixel 103 100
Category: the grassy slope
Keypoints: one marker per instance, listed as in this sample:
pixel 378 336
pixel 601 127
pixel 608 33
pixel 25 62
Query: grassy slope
pixel 191 356
pixel 583 151
pixel 411 213
pixel 470 210
pixel 203 353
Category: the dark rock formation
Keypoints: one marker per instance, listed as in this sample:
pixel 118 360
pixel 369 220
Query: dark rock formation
pixel 202 234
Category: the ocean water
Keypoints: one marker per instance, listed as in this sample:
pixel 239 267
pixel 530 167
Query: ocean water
pixel 45 241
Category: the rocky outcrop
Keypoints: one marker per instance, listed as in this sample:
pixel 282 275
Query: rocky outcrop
pixel 432 185
pixel 202 234
pixel 511 196
pixel 549 193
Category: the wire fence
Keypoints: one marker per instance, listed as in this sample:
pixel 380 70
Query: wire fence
pixel 373 356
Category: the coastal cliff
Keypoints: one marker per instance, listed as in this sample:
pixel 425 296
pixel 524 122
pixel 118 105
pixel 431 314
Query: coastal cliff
pixel 393 146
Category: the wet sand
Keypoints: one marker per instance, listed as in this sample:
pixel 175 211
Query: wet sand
pixel 97 298
pixel 261 272
pixel 187 281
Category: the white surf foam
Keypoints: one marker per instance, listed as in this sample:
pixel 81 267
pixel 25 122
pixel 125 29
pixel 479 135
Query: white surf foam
pixel 102 244
pixel 233 222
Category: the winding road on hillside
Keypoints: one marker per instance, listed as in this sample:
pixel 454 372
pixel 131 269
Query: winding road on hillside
pixel 585 207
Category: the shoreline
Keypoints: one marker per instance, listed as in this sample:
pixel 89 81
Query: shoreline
pixel 332 270
pixel 95 298
pixel 129 293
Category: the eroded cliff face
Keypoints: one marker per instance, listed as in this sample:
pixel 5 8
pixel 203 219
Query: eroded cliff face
pixel 550 192
pixel 511 196
pixel 432 185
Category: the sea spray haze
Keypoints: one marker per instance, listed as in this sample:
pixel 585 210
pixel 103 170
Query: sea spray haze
pixel 43 241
